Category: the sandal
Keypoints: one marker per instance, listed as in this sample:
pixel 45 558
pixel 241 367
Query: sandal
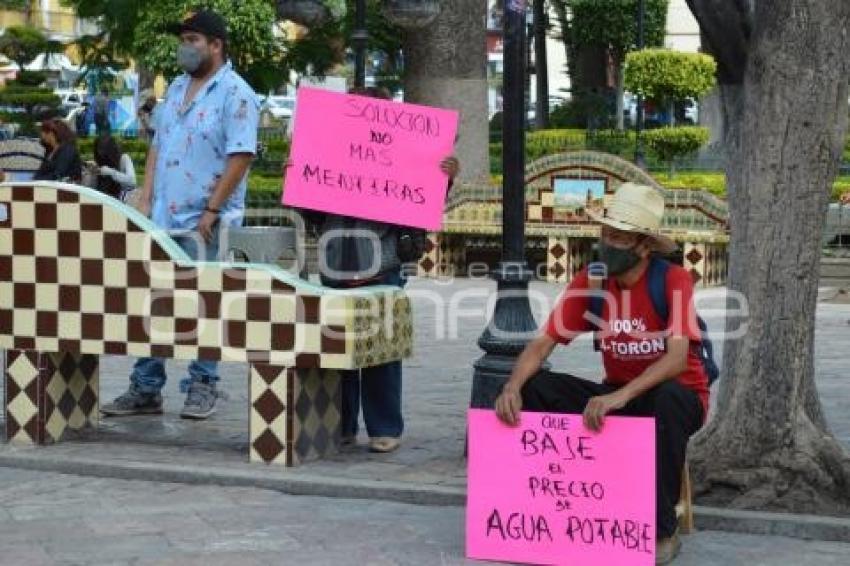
pixel 384 444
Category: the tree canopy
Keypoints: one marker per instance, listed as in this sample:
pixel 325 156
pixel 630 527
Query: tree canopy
pixel 135 29
pixel 663 74
pixel 612 24
pixel 22 44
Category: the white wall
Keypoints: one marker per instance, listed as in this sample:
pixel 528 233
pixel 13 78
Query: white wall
pixel 682 28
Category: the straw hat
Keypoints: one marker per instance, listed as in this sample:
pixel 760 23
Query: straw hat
pixel 636 208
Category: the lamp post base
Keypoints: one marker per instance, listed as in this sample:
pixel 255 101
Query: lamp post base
pixel 510 330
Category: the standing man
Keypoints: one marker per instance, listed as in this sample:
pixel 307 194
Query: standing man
pixel 101 112
pixel 195 179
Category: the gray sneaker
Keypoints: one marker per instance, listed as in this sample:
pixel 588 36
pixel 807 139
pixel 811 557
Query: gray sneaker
pixel 200 402
pixel 134 402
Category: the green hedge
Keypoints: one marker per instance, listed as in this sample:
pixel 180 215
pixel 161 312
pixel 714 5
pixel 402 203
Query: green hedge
pixel 715 183
pixel 128 145
pixel 28 97
pixel 670 143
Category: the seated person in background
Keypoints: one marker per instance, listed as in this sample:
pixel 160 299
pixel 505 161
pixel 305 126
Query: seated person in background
pixel 114 170
pixel 653 367
pixel 61 156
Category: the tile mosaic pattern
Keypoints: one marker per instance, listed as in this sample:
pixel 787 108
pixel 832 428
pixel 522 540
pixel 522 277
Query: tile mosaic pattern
pixel 49 393
pixel 566 257
pixel 557 262
pixel 78 276
pixel 716 265
pixel 430 262
pixel 295 414
pixel 82 274
pixel 694 260
pixel 316 420
pixel 474 209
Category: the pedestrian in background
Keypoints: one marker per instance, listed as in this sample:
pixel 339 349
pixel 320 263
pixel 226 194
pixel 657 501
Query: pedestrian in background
pixel 101 112
pixel 113 169
pixel 61 156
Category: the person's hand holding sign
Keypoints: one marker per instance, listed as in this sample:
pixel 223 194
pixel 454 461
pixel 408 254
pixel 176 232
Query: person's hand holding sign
pixel 450 166
pixel 598 407
pixel 509 405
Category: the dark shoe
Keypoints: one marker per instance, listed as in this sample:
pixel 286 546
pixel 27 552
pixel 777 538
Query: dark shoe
pixel 667 549
pixel 200 402
pixel 134 402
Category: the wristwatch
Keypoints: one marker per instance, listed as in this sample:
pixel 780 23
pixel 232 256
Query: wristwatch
pixel 213 210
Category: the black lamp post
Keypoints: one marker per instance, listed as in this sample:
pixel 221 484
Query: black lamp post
pixel 359 37
pixel 640 159
pixel 512 325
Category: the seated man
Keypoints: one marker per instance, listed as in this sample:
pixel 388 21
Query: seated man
pixel 652 366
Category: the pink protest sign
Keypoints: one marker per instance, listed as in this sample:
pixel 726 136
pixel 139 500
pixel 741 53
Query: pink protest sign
pixel 552 492
pixel 369 158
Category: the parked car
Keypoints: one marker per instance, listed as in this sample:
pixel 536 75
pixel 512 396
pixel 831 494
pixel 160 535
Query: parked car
pixel 280 107
pixel 69 98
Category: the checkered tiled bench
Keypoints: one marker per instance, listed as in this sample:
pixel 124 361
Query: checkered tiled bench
pixel 83 275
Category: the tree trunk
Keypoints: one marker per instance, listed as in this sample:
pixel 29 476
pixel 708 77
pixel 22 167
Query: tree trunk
pixel 671 108
pixel 541 65
pixel 768 446
pixel 446 66
pixel 621 89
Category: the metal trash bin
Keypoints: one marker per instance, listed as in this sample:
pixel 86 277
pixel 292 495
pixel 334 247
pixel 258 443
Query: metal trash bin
pixel 263 244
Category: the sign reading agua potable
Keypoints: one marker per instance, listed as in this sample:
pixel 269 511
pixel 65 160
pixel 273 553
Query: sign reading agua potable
pixel 550 491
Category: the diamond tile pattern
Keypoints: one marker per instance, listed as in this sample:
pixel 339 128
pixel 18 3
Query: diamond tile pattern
pixel 295 417
pixel 696 261
pixel 694 256
pixel 317 425
pixel 48 393
pixel 430 261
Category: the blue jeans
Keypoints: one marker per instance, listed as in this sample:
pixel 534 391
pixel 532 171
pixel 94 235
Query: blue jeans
pixel 149 373
pixel 378 388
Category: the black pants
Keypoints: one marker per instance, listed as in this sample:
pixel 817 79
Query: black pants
pixel 678 415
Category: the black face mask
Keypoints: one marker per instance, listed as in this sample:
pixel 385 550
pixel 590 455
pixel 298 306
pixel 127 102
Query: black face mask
pixel 618 260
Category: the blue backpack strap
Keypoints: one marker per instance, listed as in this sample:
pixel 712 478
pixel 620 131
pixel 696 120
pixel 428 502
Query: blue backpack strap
pixel 599 272
pixel 658 269
pixel 657 281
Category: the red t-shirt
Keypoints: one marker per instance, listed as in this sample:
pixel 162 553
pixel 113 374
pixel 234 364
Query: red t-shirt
pixel 632 335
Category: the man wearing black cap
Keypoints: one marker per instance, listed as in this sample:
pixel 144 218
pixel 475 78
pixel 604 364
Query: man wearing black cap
pixel 195 180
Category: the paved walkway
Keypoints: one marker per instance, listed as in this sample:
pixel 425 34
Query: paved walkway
pixel 51 519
